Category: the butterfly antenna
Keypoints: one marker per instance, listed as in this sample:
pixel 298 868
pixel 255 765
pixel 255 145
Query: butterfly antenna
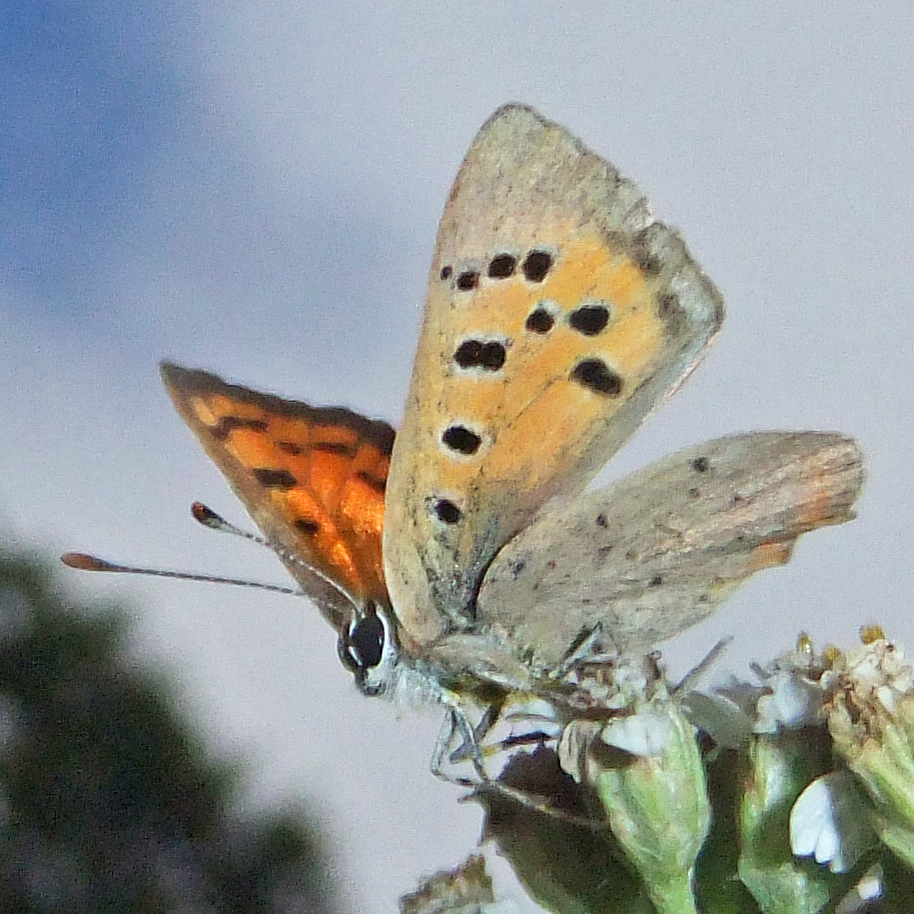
pixel 212 521
pixel 84 562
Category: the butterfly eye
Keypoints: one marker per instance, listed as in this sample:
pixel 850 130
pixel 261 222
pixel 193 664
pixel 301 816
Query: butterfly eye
pixel 363 648
pixel 362 644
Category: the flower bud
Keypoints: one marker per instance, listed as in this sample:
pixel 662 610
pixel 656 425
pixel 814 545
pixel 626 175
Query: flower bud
pixel 648 774
pixel 871 720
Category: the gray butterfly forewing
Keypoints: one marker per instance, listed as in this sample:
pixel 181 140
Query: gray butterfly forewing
pixel 643 559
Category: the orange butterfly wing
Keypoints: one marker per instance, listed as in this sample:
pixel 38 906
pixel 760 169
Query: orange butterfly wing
pixel 312 478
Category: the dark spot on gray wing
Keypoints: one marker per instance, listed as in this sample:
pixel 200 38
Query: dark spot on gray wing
pixel 275 479
pixel 602 521
pixel 589 320
pixel 502 266
pixel 648 262
pixel 537 265
pixel 655 581
pixel 446 272
pixel 461 439
pixel 701 464
pixel 694 492
pixel 595 375
pixel 670 311
pixel 446 511
pixel 668 305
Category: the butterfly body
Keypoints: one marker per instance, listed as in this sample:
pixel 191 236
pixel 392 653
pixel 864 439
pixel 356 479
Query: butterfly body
pixel 465 554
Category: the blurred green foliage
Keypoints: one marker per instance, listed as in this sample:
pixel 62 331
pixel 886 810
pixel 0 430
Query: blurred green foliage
pixel 109 801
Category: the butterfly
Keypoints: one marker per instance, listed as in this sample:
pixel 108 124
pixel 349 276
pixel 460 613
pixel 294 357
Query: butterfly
pixel 462 553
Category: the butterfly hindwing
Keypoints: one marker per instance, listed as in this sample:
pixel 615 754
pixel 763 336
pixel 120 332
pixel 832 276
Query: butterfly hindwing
pixel 312 478
pixel 558 315
pixel 652 554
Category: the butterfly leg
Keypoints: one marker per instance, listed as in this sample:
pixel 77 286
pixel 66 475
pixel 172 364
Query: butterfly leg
pixel 473 747
pixel 580 649
pixel 456 723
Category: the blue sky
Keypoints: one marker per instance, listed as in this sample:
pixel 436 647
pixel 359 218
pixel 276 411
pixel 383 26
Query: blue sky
pixel 89 94
pixel 254 188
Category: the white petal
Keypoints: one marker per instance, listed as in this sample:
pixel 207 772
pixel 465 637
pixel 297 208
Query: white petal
pixel 827 822
pixel 644 733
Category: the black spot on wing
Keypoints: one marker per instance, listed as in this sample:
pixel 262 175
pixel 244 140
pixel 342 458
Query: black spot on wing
pixel 502 266
pixel 374 482
pixel 597 376
pixel 540 320
pixel 446 511
pixel 536 266
pixel 589 320
pixel 228 424
pixel 668 306
pixel 467 281
pixel 488 355
pixel 461 439
pixel 342 448
pixel 648 262
pixel 517 567
pixel 275 479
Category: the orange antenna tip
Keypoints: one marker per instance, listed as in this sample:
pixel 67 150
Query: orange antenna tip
pixel 85 562
pixel 206 516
